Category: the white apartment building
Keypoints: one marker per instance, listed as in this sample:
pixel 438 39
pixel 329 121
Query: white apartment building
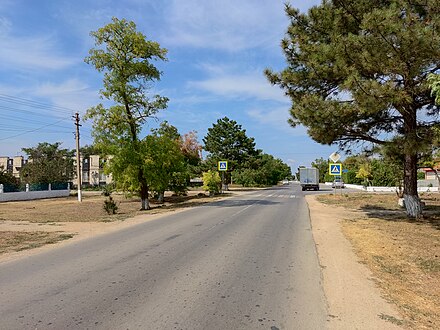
pixel 92 169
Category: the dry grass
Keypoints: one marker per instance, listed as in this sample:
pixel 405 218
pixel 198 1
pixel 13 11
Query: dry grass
pixel 56 211
pixel 403 255
pixel 91 208
pixel 12 241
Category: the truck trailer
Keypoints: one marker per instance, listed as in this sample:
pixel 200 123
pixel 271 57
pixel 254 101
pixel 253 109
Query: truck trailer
pixel 309 178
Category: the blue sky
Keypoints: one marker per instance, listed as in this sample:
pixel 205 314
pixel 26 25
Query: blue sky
pixel 217 51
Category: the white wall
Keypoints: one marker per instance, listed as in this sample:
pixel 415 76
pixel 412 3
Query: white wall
pixel 31 195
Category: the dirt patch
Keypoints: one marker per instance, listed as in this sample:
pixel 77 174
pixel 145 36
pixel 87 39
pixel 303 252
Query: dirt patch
pixel 91 209
pixel 403 255
pixel 31 224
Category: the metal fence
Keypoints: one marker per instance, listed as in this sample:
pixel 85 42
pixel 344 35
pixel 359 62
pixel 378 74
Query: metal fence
pixel 8 188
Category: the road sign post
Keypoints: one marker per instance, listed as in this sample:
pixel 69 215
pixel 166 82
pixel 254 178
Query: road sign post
pixel 223 167
pixel 335 169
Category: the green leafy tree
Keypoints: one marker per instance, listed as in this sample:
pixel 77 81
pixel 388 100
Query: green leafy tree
pixel 126 58
pixel 322 165
pixel 351 165
pixel 357 73
pixel 365 173
pixel 9 182
pixel 262 170
pixel 164 162
pixel 48 164
pixel 88 150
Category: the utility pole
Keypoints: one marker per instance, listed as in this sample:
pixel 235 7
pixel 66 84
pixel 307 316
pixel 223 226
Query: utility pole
pixel 78 156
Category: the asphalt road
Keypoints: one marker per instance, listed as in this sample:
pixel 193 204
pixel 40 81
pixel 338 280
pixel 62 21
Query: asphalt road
pixel 248 262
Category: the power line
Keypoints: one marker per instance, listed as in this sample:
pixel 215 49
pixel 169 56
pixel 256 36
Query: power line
pixel 33 121
pixel 30 131
pixel 12 123
pixel 34 104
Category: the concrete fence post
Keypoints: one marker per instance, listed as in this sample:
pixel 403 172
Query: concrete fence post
pixel 1 188
pixel 68 186
pixel 27 187
pixel 50 187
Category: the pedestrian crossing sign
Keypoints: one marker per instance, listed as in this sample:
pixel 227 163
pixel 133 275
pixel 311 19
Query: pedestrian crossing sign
pixel 223 165
pixel 335 169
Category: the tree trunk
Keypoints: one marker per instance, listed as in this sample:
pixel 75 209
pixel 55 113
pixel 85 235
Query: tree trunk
pixel 144 191
pixel 160 198
pixel 145 204
pixel 413 206
pixel 412 201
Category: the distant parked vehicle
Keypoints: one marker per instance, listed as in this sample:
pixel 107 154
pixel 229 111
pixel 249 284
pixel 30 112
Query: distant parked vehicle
pixel 338 183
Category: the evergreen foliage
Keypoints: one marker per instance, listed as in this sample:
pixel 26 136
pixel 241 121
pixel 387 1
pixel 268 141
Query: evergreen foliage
pixel 227 140
pixel 357 73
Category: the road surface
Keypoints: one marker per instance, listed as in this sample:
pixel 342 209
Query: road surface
pixel 248 262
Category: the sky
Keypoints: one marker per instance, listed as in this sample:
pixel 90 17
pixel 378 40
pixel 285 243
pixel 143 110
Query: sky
pixel 217 52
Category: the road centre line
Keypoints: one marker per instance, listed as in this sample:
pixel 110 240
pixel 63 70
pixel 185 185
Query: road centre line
pixel 231 216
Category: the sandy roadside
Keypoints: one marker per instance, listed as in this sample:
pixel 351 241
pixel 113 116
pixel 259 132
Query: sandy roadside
pixel 80 230
pixel 354 301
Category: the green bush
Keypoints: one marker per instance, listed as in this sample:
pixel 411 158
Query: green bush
pixel 110 205
pixel 211 182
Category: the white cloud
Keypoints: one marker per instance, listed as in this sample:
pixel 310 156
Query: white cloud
pixel 37 53
pixel 228 24
pixel 246 85
pixel 71 94
pixel 5 26
pixel 276 117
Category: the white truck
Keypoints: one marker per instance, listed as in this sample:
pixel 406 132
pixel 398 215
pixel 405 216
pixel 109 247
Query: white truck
pixel 309 178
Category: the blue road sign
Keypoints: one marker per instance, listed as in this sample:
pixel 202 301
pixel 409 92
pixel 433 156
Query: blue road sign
pixel 335 169
pixel 223 165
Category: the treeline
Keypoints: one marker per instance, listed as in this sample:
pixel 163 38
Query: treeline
pixel 169 159
pixel 377 170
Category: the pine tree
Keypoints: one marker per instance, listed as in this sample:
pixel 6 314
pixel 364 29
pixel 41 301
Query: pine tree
pixel 357 74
